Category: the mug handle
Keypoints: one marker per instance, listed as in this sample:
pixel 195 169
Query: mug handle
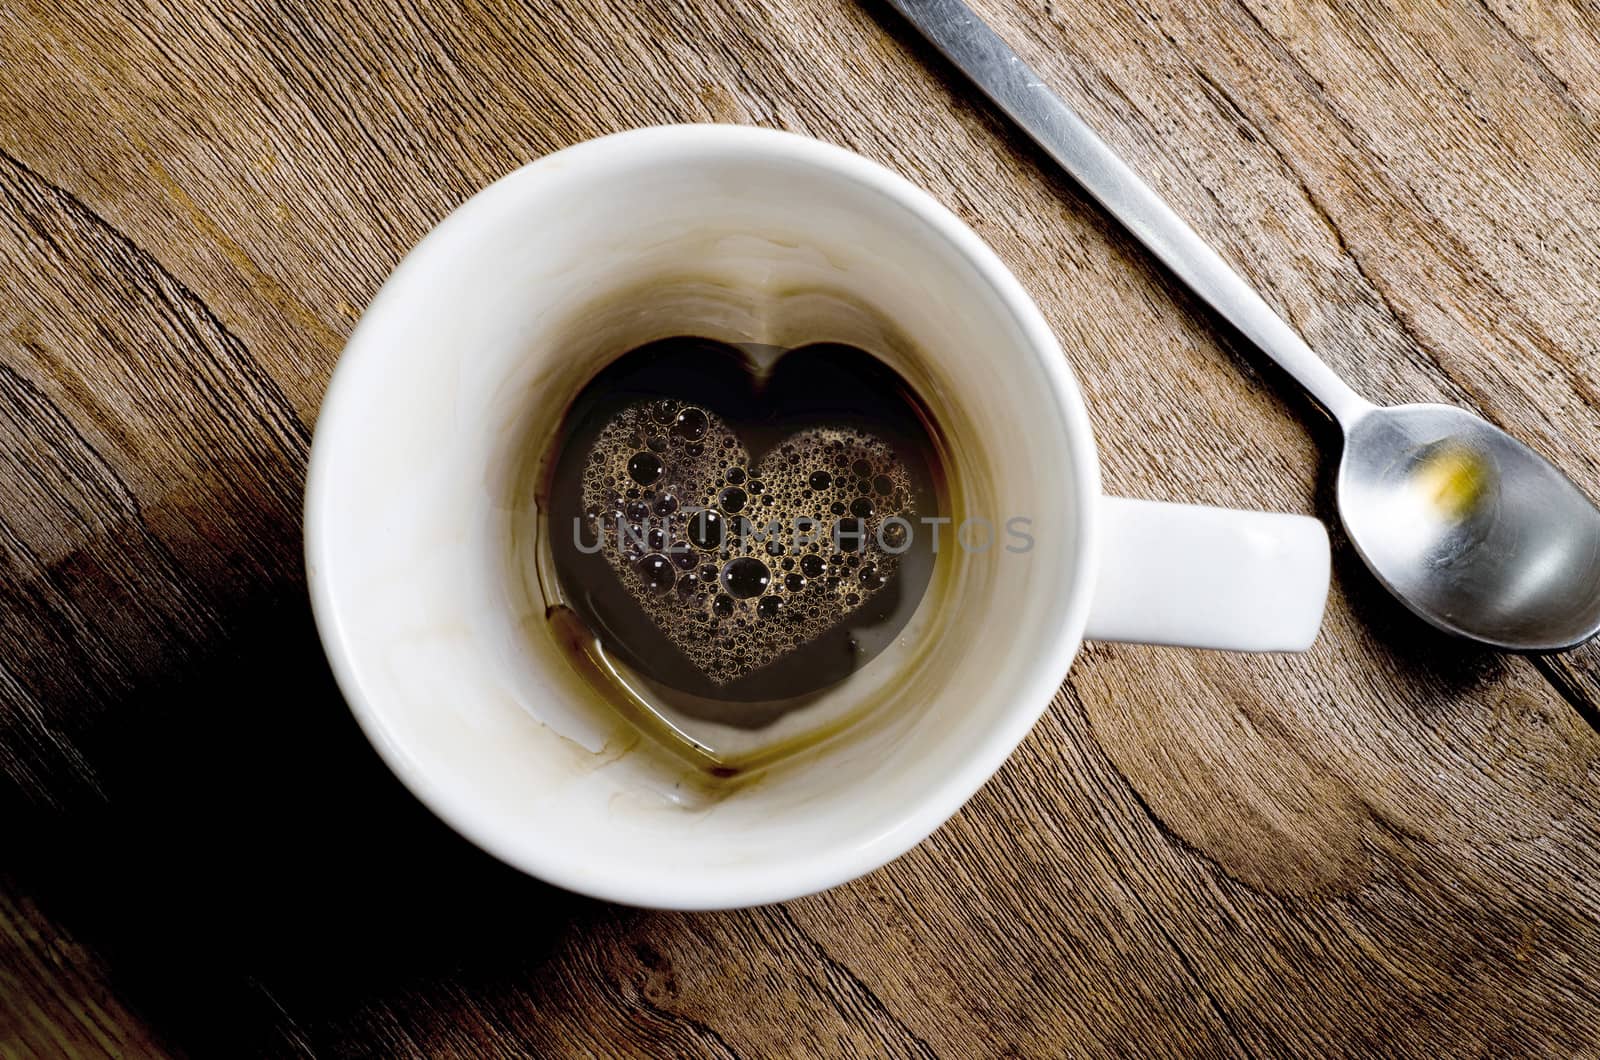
pixel 1203 577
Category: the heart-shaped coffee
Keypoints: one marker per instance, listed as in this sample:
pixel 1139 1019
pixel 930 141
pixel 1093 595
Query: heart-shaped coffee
pixel 739 524
pixel 742 562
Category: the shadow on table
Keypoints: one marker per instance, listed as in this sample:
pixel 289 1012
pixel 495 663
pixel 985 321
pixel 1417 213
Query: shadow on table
pixel 253 844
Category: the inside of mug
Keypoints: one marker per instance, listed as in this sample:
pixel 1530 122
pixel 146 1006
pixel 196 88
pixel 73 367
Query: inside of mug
pixel 706 298
pixel 448 401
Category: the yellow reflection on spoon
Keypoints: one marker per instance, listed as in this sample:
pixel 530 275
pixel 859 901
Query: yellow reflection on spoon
pixel 1451 480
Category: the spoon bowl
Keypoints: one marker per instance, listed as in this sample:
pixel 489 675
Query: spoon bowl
pixel 1472 530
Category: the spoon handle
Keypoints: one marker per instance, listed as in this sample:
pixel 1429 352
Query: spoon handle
pixel 969 43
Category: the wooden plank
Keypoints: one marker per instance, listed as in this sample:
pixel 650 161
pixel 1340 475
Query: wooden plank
pixel 54 999
pixel 1385 845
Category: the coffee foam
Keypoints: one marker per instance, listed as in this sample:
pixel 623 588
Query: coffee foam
pixel 708 545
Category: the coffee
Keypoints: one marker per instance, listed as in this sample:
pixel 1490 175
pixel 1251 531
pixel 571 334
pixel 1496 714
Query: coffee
pixel 738 527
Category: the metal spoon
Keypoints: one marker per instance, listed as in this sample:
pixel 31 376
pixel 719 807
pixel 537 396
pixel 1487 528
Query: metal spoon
pixel 1468 527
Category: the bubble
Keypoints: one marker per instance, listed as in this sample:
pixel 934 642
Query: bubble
pixel 882 485
pixel 663 411
pixel 894 534
pixel 695 450
pixel 745 577
pixel 820 480
pixel 665 504
pixel 861 468
pixel 644 468
pixel 683 555
pixel 656 443
pixel 870 577
pixel 861 508
pixel 655 570
pixel 688 584
pixel 656 538
pixel 756 486
pixel 691 425
pixel 774 547
pixel 811 566
pixel 788 563
pixel 732 499
pixel 706 529
pixel 723 604
pixel 851 599
pixel 735 476
pixel 837 508
pixel 769 606
pixel 794 582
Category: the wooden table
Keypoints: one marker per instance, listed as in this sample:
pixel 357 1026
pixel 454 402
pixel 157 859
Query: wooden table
pixel 1388 845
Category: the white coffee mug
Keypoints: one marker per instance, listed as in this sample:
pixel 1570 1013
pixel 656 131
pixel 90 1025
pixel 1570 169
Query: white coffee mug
pixel 454 381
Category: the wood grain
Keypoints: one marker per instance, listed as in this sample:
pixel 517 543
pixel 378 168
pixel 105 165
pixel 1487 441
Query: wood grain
pixel 1386 846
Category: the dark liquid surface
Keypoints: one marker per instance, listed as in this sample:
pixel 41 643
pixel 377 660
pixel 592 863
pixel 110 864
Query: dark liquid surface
pixel 742 526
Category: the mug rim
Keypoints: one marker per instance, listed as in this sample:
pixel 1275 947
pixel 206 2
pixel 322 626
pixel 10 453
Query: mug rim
pixel 815 870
